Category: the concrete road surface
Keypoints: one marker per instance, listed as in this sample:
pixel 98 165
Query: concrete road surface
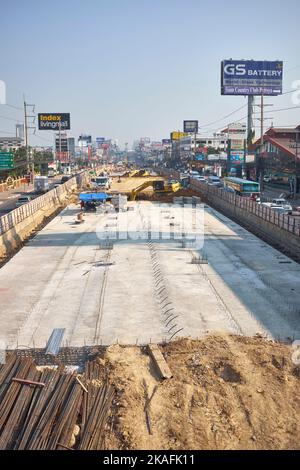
pixel 137 290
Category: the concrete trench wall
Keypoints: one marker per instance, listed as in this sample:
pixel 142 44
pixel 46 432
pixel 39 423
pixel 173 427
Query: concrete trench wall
pixel 16 226
pixel 282 230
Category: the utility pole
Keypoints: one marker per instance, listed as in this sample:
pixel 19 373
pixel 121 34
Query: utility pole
pixel 262 105
pixel 250 120
pixel 30 164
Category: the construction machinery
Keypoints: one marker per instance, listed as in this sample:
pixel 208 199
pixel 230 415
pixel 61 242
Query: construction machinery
pixel 159 187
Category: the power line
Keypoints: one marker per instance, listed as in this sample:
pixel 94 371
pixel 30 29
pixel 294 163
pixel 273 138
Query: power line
pixel 13 106
pixel 17 121
pixel 7 132
pixel 225 117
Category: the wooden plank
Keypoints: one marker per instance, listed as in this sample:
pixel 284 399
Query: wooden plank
pixel 159 361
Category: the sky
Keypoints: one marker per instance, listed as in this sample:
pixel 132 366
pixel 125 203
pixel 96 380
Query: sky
pixel 127 69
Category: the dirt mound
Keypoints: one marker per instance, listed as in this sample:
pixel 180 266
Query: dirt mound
pixel 227 392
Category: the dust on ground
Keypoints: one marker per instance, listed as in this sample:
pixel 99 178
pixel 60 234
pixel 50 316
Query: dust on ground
pixel 227 392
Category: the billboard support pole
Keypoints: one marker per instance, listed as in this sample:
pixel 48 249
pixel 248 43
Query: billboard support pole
pixel 262 120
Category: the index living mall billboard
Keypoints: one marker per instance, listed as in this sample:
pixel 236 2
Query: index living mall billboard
pixel 251 77
pixel 54 121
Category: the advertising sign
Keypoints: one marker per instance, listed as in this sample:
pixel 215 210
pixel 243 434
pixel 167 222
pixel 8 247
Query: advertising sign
pixel 199 157
pixel 166 141
pixel 190 126
pixel 236 157
pixel 99 140
pixel 177 135
pixel 63 157
pixel 237 144
pixel 251 77
pixel 54 121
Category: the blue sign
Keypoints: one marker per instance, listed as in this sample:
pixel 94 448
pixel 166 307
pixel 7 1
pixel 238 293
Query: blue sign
pixel 166 141
pixel 236 157
pixel 250 77
pixel 190 127
pixel 200 157
pixel 100 140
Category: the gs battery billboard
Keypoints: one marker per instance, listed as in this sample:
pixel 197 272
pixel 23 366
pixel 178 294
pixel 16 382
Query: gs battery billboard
pixel 54 121
pixel 250 77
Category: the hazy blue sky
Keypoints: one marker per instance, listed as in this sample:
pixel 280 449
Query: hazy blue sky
pixel 131 68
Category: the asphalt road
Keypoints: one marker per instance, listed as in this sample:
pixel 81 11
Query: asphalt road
pixel 8 199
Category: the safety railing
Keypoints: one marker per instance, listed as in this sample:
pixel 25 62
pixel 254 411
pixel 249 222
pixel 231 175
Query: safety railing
pixel 283 221
pixel 10 220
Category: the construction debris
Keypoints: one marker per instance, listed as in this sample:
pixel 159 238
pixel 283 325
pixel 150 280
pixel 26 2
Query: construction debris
pixel 159 361
pixel 226 392
pixel 47 414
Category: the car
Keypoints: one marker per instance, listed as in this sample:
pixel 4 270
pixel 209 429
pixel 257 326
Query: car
pixel 56 185
pixel 64 179
pixel 267 179
pixel 278 203
pixel 23 200
pixel 214 181
pixel 199 177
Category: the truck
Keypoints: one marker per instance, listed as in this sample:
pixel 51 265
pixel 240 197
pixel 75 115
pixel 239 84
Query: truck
pixel 41 184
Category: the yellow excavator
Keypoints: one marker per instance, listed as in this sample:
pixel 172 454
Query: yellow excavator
pixel 159 187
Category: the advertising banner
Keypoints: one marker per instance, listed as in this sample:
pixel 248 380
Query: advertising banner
pixel 236 157
pixel 178 135
pixel 54 121
pixel 251 77
pixel 190 126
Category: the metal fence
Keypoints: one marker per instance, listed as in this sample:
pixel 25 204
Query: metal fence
pixel 10 220
pixel 284 222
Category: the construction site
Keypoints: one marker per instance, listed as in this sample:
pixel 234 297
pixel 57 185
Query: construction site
pixel 164 325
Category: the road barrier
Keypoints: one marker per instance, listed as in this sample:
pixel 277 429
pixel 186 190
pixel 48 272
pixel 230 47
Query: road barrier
pixel 7 185
pixel 221 198
pixel 53 197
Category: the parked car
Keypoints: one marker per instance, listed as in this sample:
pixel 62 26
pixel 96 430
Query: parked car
pixel 23 200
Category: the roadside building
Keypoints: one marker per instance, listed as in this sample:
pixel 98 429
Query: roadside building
pixel 278 158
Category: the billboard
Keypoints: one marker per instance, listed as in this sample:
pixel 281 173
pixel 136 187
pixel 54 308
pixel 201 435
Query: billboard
pixel 166 141
pixel 236 157
pixel 54 121
pixel 177 135
pixel 237 144
pixel 190 126
pixel 251 77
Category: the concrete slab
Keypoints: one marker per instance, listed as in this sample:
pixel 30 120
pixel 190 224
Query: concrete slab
pixel 141 290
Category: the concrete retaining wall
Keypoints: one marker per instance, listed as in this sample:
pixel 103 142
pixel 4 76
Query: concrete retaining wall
pixel 16 226
pixel 279 229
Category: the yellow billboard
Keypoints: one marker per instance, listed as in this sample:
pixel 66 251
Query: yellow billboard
pixel 178 135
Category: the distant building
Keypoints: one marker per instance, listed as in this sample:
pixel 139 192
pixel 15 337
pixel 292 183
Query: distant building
pixel 278 156
pixel 20 131
pixel 71 146
pixel 10 143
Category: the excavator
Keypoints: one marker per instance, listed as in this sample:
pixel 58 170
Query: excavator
pixel 159 187
pixel 136 173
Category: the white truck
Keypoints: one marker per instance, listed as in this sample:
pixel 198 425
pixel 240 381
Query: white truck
pixel 280 205
pixel 41 184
